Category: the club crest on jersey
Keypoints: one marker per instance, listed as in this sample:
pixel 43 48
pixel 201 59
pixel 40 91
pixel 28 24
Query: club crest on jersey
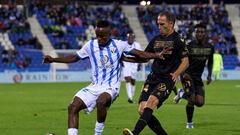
pixel 113 50
pixel 161 87
pixel 104 60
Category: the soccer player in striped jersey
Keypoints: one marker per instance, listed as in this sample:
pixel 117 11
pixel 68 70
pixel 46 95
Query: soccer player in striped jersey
pixel 105 55
pixel 129 68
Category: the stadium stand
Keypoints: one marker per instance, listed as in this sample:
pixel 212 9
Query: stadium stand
pixel 69 26
pixel 215 17
pixel 21 51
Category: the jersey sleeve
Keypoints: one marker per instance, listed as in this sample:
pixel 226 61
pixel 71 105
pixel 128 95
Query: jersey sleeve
pixel 210 58
pixel 138 46
pixel 126 49
pixel 182 49
pixel 84 51
pixel 150 46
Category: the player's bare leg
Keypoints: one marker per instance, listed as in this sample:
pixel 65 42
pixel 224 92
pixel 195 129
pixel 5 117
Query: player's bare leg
pixel 73 115
pixel 103 103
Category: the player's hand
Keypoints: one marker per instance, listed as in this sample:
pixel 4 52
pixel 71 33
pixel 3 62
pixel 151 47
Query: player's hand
pixel 47 59
pixel 160 55
pixel 174 76
pixel 209 80
pixel 165 50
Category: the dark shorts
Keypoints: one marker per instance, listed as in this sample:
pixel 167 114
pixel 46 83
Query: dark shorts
pixel 161 90
pixel 193 84
pixel 199 90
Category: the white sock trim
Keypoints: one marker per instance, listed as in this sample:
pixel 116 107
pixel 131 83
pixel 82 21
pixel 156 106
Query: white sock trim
pixel 72 131
pixel 99 128
pixel 129 90
pixel 133 90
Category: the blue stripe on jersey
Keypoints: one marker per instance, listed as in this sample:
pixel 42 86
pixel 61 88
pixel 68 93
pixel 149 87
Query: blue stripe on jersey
pixel 95 60
pixel 118 57
pixel 103 64
pixel 111 62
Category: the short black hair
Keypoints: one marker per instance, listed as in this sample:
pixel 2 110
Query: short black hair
pixel 102 23
pixel 130 33
pixel 169 15
pixel 200 25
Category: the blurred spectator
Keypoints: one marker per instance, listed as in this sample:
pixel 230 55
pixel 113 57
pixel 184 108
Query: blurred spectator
pixel 26 62
pixel 12 55
pixel 19 64
pixel 90 32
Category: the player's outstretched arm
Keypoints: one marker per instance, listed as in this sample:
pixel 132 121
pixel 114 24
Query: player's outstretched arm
pixel 134 59
pixel 147 55
pixel 67 59
pixel 182 67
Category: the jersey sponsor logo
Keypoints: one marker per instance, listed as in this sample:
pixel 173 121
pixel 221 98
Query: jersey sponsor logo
pixel 200 51
pixel 104 60
pixel 163 44
pixel 167 45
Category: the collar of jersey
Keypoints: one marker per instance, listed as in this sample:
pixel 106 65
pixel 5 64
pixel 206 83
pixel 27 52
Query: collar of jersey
pixel 107 44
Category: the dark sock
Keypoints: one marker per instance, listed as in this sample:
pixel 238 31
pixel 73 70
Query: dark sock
pixel 142 121
pixel 175 90
pixel 155 126
pixel 189 111
pixel 186 95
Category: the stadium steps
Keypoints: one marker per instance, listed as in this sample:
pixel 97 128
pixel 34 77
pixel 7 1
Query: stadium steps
pixel 234 15
pixel 6 43
pixel 131 13
pixel 37 30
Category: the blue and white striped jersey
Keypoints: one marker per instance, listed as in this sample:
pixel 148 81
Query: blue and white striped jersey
pixel 105 61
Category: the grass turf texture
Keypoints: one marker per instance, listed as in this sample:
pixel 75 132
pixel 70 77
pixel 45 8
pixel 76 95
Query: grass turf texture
pixel 35 109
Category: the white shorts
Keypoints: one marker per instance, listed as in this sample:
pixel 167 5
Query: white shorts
pixel 89 97
pixel 130 69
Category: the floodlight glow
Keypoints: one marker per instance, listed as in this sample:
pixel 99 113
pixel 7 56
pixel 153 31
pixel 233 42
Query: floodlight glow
pixel 148 2
pixel 143 3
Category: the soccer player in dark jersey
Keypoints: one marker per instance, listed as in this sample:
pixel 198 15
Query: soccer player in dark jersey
pixel 164 73
pixel 200 52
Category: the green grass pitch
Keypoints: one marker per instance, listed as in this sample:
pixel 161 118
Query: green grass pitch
pixel 35 109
